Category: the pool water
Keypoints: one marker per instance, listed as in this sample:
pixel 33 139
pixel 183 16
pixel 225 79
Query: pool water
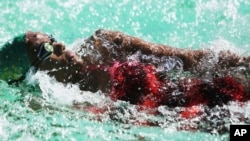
pixel 41 108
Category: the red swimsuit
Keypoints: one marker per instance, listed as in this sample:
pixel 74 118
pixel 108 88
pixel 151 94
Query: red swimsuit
pixel 139 84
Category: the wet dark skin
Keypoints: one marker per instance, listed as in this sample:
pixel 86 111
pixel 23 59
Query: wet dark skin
pixel 66 66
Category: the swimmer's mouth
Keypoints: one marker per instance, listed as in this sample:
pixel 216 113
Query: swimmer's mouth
pixel 72 58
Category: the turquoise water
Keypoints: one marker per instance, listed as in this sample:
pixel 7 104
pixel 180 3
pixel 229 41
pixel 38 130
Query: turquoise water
pixel 41 109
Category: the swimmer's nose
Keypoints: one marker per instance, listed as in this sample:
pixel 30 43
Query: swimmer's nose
pixel 58 48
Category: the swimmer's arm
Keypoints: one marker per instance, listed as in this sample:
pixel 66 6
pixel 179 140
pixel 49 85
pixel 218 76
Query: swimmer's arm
pixel 131 44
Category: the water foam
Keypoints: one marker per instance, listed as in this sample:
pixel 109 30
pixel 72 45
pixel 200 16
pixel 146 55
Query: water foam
pixel 66 94
pixel 3 124
pixel 222 44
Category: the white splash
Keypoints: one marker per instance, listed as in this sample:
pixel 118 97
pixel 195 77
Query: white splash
pixel 3 124
pixel 221 44
pixel 66 94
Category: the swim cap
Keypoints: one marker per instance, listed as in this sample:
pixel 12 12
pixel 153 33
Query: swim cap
pixel 14 59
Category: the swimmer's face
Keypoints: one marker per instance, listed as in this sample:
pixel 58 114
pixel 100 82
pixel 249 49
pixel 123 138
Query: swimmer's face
pixel 63 63
pixel 34 40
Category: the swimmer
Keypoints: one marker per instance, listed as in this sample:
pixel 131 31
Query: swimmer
pixel 131 69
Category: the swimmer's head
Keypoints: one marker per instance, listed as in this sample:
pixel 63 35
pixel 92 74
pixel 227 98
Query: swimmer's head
pixel 17 55
pixel 39 51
